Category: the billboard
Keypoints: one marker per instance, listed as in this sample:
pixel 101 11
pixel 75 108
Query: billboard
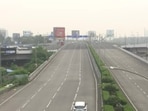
pixel 59 32
pixel 75 33
pixel 110 33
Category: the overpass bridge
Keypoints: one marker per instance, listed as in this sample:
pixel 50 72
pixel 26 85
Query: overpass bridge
pixel 138 49
pixel 15 54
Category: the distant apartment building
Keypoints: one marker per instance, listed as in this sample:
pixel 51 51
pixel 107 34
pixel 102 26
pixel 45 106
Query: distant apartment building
pixel 27 34
pixel 16 37
pixel 3 33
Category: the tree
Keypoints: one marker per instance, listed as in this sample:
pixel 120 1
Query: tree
pixel 2 38
pixel 113 100
pixel 8 41
pixel 111 89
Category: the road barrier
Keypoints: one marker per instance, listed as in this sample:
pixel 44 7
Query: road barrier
pixel 43 66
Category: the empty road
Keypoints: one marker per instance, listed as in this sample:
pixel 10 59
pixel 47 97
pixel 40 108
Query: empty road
pixel 135 87
pixel 68 77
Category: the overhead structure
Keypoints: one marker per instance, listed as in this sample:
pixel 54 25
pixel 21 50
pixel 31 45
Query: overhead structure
pixel 110 33
pixel 75 34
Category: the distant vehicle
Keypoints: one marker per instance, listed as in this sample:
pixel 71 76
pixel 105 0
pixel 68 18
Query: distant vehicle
pixel 79 106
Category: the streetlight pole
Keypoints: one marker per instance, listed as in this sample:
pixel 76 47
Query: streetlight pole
pixel 117 68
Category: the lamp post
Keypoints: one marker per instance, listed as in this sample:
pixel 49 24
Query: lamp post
pixel 117 68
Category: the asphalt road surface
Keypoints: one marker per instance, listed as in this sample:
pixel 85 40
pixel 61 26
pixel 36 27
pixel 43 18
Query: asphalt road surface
pixel 135 87
pixel 68 77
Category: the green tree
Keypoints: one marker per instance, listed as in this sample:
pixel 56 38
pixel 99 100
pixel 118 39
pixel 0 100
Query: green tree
pixel 113 100
pixel 19 71
pixel 27 40
pixel 8 41
pixel 3 73
pixel 111 88
pixel 107 79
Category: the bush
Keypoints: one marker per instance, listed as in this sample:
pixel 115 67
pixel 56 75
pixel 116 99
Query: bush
pixel 108 108
pixel 106 95
pixel 30 67
pixel 111 88
pixel 113 100
pixel 20 79
pixel 128 108
pixel 105 72
pixel 107 80
pixel 19 71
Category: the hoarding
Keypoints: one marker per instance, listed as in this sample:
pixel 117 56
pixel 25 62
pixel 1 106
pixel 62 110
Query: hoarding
pixel 59 32
pixel 110 33
pixel 75 33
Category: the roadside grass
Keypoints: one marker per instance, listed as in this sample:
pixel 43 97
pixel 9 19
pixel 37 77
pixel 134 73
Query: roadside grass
pixel 2 88
pixel 106 95
pixel 108 108
pixel 113 97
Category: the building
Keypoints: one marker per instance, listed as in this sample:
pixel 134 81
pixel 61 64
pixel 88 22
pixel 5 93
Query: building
pixel 16 37
pixel 3 33
pixel 27 34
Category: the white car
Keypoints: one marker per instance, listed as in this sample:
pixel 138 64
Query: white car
pixel 79 106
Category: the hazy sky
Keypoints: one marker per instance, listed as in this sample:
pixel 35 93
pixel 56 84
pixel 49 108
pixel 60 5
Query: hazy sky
pixel 126 17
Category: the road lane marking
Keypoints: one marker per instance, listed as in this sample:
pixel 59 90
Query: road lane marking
pixel 40 89
pixel 33 95
pixel 144 92
pixel 48 103
pixel 54 95
pixel 75 96
pixel 77 90
pixel 15 94
pixel 58 89
pixel 62 83
pixel 130 78
pixel 26 103
pixel 45 84
pixel 65 79
pixel 49 79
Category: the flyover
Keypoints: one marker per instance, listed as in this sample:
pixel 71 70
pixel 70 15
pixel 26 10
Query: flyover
pixel 67 78
pixel 135 87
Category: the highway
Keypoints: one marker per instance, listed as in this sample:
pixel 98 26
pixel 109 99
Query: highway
pixel 134 86
pixel 68 77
